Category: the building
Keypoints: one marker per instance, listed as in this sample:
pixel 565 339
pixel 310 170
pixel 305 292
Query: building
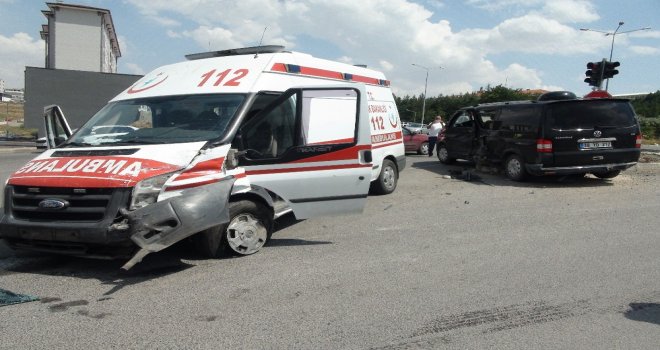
pixel 80 73
pixel 16 95
pixel 80 38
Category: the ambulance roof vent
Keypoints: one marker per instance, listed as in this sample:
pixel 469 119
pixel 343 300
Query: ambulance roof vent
pixel 236 52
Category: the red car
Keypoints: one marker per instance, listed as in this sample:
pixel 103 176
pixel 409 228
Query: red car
pixel 415 141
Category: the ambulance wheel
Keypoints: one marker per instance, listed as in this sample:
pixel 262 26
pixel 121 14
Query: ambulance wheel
pixel 388 178
pixel 249 228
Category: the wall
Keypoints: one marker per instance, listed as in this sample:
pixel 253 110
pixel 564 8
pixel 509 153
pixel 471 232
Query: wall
pixel 78 44
pixel 80 94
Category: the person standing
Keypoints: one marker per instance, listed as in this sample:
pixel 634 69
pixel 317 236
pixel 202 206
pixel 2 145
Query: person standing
pixel 434 129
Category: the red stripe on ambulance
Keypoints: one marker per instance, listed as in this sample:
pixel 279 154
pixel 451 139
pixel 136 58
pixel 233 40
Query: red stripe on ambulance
pixel 88 171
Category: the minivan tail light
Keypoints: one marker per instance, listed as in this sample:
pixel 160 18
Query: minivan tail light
pixel 543 146
pixel 638 141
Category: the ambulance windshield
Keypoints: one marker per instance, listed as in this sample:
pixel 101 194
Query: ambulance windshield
pixel 163 119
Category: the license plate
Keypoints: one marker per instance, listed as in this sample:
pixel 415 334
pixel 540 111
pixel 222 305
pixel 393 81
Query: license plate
pixel 596 145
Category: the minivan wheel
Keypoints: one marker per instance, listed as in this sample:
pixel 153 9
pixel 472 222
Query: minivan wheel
pixel 608 174
pixel 388 178
pixel 514 168
pixel 249 228
pixel 423 149
pixel 443 155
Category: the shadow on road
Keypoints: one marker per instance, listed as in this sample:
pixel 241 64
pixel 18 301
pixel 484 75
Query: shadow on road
pixel 108 272
pixel 644 312
pixel 492 176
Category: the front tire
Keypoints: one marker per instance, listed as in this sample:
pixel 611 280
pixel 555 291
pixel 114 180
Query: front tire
pixel 249 228
pixel 388 178
pixel 514 168
pixel 443 155
pixel 608 174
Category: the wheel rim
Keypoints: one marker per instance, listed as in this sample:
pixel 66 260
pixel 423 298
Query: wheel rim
pixel 388 177
pixel 442 154
pixel 425 148
pixel 514 167
pixel 245 234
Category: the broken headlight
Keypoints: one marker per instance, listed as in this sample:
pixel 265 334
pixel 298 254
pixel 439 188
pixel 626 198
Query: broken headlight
pixel 146 191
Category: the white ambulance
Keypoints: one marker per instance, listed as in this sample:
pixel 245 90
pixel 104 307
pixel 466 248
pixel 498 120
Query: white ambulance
pixel 217 148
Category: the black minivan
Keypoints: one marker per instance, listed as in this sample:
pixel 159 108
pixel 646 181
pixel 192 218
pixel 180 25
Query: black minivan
pixel 546 137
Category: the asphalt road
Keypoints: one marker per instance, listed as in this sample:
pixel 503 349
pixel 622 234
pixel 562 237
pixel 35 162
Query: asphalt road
pixel 441 263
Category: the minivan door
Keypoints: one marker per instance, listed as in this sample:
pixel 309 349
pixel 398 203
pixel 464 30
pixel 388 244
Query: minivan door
pixel 312 148
pixel 460 135
pixel 56 125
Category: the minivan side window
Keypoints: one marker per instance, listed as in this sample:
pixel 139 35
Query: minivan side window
pixel 486 117
pixel 520 118
pixel 464 121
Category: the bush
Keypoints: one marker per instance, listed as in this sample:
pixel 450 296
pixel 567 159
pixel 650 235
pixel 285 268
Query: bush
pixel 650 128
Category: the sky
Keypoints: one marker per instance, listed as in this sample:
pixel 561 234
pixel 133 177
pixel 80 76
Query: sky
pixel 464 45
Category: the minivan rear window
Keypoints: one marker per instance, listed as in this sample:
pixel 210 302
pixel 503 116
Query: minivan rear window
pixel 588 114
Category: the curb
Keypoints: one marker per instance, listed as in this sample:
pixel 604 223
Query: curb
pixel 17 149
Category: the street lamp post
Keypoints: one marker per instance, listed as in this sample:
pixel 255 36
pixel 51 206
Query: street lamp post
pixel 413 112
pixel 426 82
pixel 613 34
pixel 7 121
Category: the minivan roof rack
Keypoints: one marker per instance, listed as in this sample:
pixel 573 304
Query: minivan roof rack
pixel 253 50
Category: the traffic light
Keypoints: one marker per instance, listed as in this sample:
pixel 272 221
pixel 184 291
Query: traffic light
pixel 609 70
pixel 594 74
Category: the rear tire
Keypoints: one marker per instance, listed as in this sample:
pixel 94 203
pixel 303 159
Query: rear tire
pixel 514 168
pixel 608 174
pixel 249 228
pixel 388 178
pixel 443 155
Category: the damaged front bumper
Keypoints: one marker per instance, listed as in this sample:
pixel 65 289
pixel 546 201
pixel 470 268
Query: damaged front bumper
pixel 152 228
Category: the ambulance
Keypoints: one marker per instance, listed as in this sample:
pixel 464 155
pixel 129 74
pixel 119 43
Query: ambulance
pixel 214 149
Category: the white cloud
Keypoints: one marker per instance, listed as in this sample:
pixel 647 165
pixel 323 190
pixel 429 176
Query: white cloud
pixel 571 11
pixel 386 66
pixel 648 34
pixel 644 50
pixel 18 51
pixel 531 33
pixel 517 75
pixel 393 34
pixel 172 34
pixel 497 5
pixel 132 68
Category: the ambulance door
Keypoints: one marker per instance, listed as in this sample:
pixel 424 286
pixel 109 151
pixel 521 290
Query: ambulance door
pixel 56 125
pixel 312 148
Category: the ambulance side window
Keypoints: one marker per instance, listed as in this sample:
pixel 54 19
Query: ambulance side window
pixel 301 118
pixel 329 116
pixel 271 134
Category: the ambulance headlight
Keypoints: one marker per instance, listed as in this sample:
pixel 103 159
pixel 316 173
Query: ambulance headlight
pixel 146 191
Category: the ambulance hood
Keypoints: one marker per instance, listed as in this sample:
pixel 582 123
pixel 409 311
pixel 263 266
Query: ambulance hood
pixel 104 167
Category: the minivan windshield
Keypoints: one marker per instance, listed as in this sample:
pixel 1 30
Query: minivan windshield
pixel 157 120
pixel 587 114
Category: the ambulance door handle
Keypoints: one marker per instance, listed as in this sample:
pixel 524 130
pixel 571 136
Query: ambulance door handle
pixel 366 156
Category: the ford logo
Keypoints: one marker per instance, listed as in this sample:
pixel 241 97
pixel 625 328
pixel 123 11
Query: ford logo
pixel 53 204
pixel 598 133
